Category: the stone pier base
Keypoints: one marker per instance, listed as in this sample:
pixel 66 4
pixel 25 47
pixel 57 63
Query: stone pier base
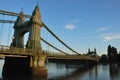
pixel 39 71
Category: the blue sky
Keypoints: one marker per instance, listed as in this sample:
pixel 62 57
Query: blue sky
pixel 82 24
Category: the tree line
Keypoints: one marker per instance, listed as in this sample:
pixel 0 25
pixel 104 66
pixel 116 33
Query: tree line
pixel 112 55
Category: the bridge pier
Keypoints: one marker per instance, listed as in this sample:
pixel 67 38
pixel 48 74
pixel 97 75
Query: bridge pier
pixel 38 65
pixel 29 65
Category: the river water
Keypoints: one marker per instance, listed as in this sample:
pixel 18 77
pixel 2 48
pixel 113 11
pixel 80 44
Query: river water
pixel 79 72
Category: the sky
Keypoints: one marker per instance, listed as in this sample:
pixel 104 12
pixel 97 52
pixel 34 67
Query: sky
pixel 81 24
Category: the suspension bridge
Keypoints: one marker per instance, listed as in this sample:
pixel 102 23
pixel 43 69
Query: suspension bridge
pixel 37 48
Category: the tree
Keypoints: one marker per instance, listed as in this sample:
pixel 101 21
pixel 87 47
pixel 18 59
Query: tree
pixel 104 58
pixel 109 52
pixel 112 54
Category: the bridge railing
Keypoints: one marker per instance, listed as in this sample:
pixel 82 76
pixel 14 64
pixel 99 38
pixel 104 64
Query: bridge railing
pixel 6 50
pixel 78 57
pixel 69 56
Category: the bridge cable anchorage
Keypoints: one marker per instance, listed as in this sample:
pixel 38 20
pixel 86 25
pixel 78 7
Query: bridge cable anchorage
pixel 59 38
pixel 53 46
pixel 13 14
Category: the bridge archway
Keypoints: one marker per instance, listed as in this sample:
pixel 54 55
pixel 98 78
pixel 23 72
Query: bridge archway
pixel 33 26
pixel 26 37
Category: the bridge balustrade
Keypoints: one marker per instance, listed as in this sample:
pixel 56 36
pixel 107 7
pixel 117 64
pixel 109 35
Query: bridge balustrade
pixel 78 57
pixel 6 50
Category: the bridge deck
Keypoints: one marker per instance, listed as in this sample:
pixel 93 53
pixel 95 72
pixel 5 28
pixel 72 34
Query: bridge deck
pixel 75 57
pixel 6 50
pixel 18 52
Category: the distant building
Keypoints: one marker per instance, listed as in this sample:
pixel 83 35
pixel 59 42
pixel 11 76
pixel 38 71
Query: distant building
pixel 91 53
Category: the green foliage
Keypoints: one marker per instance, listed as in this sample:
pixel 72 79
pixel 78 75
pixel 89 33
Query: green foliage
pixel 104 58
pixel 112 54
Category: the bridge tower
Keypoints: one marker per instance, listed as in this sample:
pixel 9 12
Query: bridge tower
pixel 33 26
pixel 18 39
pixel 36 25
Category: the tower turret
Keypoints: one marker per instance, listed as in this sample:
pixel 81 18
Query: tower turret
pixel 36 25
pixel 17 41
pixel 20 20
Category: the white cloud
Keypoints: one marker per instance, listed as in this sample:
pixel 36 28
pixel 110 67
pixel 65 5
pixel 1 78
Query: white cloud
pixel 70 26
pixel 111 37
pixel 102 29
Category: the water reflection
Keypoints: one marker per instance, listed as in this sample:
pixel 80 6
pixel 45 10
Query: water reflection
pixel 83 72
pixel 114 70
pixel 65 72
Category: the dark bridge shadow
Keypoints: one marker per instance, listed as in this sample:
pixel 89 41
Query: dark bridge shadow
pixel 16 68
pixel 19 71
